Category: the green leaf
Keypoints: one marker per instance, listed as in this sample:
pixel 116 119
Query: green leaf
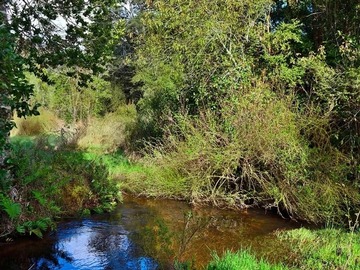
pixel 37 232
pixel 11 208
pixel 20 229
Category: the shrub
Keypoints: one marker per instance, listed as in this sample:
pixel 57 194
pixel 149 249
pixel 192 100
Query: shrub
pixel 252 152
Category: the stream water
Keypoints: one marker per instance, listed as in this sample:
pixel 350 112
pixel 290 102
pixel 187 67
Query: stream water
pixel 148 234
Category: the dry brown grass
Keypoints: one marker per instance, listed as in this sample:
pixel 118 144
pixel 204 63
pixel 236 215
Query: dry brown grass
pixel 46 122
pixel 110 132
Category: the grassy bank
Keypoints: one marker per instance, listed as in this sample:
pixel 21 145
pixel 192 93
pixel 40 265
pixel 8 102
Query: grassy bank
pixel 253 153
pixel 233 159
pixel 52 181
pixel 324 249
pixel 56 183
pixel 241 260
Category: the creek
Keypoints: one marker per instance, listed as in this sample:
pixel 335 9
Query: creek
pixel 148 234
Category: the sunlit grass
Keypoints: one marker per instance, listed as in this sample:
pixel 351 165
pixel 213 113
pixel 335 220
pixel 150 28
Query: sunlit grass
pixel 329 249
pixel 45 123
pixel 241 260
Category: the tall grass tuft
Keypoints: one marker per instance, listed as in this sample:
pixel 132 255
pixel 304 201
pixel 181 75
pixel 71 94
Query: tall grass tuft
pixel 253 151
pixel 111 132
pixel 46 122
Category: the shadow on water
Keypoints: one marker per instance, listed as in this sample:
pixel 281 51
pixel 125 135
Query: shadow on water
pixel 148 234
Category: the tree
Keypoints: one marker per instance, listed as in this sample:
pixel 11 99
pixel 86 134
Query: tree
pixel 40 34
pixel 332 35
pixel 14 94
pixel 68 100
pixel 122 70
pixel 191 54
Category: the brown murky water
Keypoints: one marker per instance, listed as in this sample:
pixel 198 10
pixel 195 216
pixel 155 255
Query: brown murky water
pixel 148 234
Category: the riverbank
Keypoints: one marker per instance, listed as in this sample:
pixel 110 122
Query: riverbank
pixel 143 230
pixel 54 181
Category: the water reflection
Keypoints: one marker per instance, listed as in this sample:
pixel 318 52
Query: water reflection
pixel 86 244
pixel 146 234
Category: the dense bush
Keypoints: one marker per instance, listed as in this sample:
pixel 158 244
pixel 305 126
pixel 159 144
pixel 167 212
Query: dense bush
pixel 252 153
pixel 255 104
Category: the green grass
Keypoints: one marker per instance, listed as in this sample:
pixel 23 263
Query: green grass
pixel 321 249
pixel 329 249
pixel 139 178
pixel 241 260
pixel 254 153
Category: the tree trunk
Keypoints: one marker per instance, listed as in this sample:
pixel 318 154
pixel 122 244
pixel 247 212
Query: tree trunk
pixel 5 118
pixel 5 113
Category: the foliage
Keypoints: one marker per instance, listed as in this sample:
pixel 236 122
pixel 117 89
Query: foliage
pixel 36 227
pixel 14 94
pixel 75 33
pixel 49 183
pixel 192 54
pixel 31 39
pixel 258 108
pixel 69 101
pixel 12 209
pixel 31 32
pixel 239 103
pixel 253 154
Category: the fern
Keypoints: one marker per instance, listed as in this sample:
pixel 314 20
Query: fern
pixel 39 197
pixel 21 229
pixel 36 227
pixel 37 232
pixel 43 223
pixel 11 208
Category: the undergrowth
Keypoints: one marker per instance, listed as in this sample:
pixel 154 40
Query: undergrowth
pixel 255 151
pixel 51 182
pixel 46 122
